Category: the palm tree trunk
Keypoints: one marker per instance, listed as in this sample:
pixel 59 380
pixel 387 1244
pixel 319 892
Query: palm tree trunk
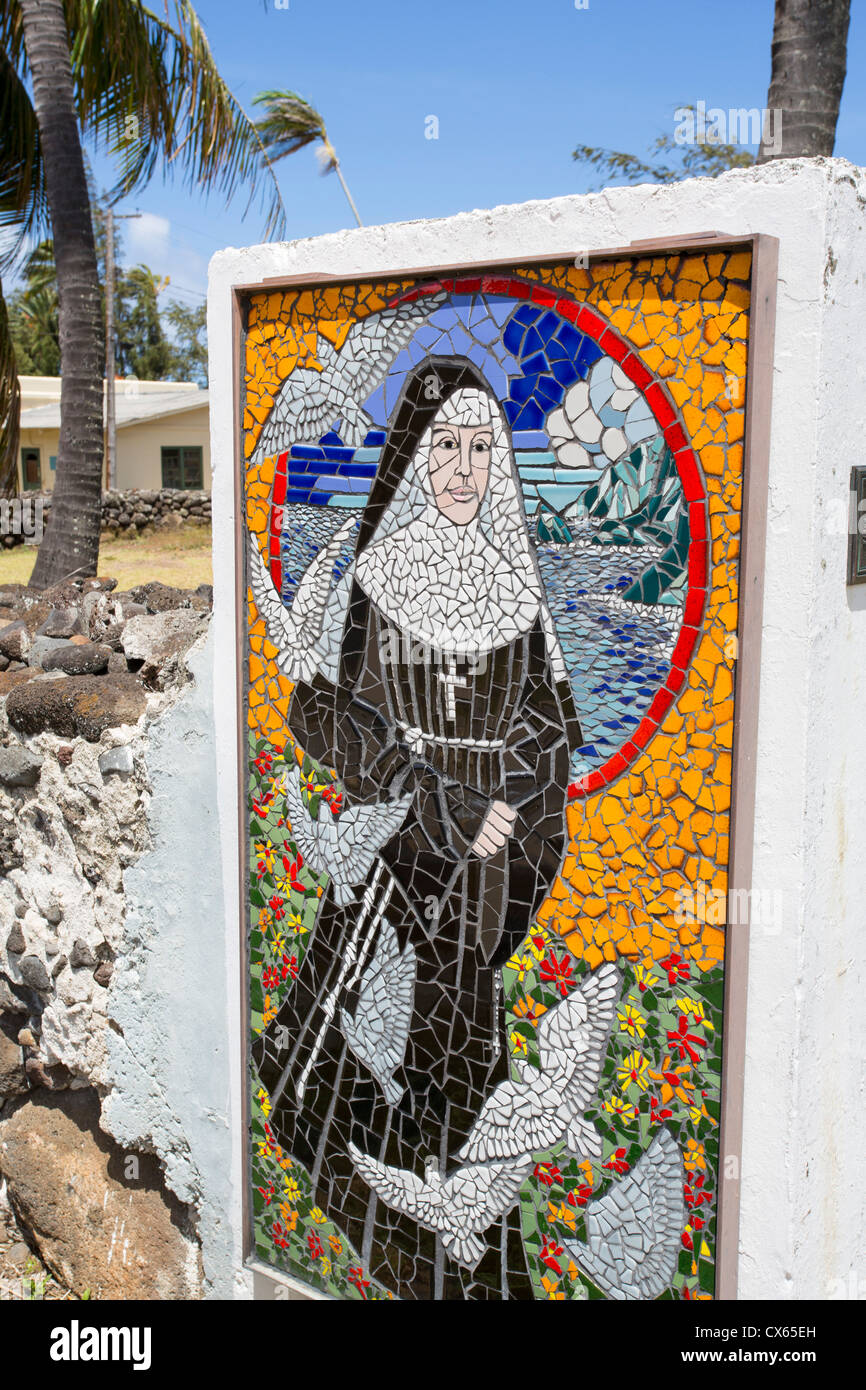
pixel 810 39
pixel 71 544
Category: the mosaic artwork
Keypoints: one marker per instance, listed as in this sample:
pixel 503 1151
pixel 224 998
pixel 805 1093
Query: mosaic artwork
pixel 492 539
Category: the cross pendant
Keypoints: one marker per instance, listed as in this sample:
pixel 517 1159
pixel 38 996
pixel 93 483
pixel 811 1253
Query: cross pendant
pixel 451 681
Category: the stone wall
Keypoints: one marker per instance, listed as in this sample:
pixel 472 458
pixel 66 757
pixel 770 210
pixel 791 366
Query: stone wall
pixel 131 513
pixel 89 678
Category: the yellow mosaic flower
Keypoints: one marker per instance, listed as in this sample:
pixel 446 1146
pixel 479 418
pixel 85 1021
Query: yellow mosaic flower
pixel 519 1044
pixel 318 1216
pixel 521 964
pixel 645 977
pixel 264 1100
pixel 295 921
pixel 539 943
pixel 696 1008
pixel 631 1021
pixel 615 1105
pixel 633 1068
pixel 265 853
pixel 291 1189
pixel 326 1265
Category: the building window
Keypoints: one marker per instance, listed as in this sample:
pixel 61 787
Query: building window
pixel 31 469
pixel 182 466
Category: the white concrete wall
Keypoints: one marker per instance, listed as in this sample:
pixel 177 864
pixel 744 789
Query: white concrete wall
pixel 803 1194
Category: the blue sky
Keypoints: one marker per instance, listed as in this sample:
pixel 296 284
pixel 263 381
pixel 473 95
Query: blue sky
pixel 515 85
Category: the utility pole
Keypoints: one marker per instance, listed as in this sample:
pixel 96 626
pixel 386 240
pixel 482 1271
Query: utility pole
pixel 110 411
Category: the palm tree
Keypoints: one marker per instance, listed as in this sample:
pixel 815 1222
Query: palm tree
pixel 145 89
pixel 76 510
pixel 290 124
pixel 809 55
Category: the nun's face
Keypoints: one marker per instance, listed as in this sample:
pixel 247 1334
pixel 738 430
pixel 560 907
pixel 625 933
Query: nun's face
pixel 460 469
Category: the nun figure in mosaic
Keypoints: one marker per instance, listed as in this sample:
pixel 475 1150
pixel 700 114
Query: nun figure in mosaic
pixel 440 698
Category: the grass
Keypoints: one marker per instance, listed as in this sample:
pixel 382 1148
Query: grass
pixel 181 558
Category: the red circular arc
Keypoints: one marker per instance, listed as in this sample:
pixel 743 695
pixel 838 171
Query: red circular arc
pixel 659 400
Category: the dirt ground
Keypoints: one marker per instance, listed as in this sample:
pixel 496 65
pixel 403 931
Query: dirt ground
pixel 181 558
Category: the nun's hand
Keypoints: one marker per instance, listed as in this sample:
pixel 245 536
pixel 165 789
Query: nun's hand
pixel 495 830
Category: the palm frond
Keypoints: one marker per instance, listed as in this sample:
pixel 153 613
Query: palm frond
pixel 149 91
pixel 290 123
pixel 23 200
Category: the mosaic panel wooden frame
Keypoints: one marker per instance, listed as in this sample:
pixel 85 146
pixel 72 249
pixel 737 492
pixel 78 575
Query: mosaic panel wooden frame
pixel 689 325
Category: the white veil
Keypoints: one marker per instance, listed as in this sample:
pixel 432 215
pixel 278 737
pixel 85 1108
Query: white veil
pixel 461 588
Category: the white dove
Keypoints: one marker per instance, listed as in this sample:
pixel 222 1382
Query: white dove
pixel 457 1208
pixel 310 401
pixel 343 848
pixel 633 1231
pixel 540 1108
pixel 379 1029
pixel 294 631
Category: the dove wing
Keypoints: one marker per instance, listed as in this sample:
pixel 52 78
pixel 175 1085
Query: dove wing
pixel 386 1000
pixel 303 410
pixel 401 1190
pixel 363 830
pixel 311 594
pixel 511 1124
pixel 379 1029
pixel 572 1038
pixel 372 344
pixel 478 1194
pixel 311 401
pixel 304 829
pixel 293 630
pixel 633 1231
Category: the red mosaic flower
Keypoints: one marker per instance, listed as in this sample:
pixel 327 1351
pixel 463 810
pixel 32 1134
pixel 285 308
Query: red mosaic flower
pixel 315 1246
pixel 264 762
pixel 677 968
pixel 280 1235
pixel 617 1163
pixel 289 967
pixel 548 1173
pixel 356 1276
pixel 292 865
pixel 683 1042
pixel 277 906
pixel 548 1253
pixel 559 971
